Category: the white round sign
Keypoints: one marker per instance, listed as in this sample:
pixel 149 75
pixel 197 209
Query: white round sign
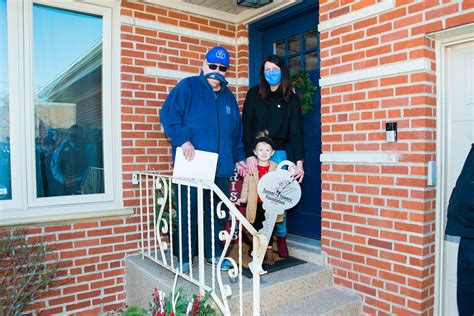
pixel 279 190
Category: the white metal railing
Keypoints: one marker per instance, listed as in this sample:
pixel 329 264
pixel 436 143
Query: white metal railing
pixel 157 223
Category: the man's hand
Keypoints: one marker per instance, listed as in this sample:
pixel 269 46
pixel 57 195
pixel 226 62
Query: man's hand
pixel 299 171
pixel 188 150
pixel 241 167
pixel 251 165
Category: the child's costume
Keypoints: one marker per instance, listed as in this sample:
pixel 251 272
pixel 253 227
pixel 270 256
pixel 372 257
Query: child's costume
pixel 249 193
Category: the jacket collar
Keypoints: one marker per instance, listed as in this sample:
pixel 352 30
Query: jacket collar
pixel 204 80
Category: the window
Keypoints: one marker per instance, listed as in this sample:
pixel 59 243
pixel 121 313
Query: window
pixel 57 121
pixel 300 51
pixel 67 84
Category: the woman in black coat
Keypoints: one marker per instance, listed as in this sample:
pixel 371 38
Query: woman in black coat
pixel 272 106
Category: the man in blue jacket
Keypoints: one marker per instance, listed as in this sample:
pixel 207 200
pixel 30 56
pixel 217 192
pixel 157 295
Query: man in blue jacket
pixel 201 113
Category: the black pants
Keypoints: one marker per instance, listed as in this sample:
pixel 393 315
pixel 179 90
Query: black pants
pixel 465 290
pixel 259 219
pixel 219 224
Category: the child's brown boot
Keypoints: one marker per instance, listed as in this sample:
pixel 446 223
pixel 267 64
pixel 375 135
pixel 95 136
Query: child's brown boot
pixel 268 259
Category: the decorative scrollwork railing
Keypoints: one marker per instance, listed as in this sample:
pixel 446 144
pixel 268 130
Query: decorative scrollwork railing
pixel 161 213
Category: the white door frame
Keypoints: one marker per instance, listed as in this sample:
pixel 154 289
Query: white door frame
pixel 443 40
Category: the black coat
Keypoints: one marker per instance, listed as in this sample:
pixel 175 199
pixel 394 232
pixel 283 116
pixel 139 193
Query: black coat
pixel 461 202
pixel 281 119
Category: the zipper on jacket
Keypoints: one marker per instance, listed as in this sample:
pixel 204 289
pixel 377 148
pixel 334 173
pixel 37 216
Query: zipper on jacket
pixel 218 126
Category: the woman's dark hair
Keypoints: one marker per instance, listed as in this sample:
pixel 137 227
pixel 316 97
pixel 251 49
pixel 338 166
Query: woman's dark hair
pixel 264 89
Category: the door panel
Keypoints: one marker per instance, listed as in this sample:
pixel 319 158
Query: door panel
pixel 460 136
pixel 295 37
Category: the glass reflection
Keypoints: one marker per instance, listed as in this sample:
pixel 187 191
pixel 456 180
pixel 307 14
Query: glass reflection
pixel 311 61
pixel 310 40
pixel 68 102
pixel 295 63
pixel 279 48
pixel 294 44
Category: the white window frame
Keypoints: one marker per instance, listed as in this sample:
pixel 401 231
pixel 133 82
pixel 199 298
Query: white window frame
pixel 24 203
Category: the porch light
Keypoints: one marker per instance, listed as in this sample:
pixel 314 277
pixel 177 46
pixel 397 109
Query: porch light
pixel 253 3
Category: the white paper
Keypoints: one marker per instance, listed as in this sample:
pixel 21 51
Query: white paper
pixel 202 167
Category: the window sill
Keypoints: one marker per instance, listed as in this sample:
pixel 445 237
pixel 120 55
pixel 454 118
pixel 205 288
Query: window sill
pixel 48 219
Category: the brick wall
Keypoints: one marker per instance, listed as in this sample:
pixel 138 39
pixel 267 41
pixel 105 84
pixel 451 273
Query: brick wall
pixel 378 224
pixel 93 251
pixel 378 219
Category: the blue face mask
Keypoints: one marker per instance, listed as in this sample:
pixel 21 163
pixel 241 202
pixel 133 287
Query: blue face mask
pixel 216 76
pixel 273 77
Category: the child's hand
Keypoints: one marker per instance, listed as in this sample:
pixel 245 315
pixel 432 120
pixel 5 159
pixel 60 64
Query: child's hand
pixel 240 201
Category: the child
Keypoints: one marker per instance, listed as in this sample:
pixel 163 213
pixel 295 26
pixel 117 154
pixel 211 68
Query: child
pixel 263 149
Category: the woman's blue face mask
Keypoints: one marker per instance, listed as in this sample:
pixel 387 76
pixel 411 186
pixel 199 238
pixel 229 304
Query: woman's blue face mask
pixel 273 76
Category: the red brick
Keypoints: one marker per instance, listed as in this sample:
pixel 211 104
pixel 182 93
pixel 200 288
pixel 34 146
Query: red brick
pixel 77 306
pixel 362 4
pixel 427 28
pixel 380 243
pixel 442 12
pixel 392 15
pixel 379 29
pixel 410 20
pixel 460 19
pixel 365 289
pixel 394 36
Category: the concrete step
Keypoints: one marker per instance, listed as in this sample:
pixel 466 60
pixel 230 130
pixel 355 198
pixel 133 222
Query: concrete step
pixel 306 288
pixel 328 302
pixel 142 276
pixel 284 286
pixel 306 249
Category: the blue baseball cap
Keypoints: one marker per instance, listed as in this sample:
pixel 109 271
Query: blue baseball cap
pixel 218 55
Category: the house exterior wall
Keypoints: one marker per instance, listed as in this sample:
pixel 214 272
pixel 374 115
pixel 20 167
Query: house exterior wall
pixel 378 226
pixel 158 47
pixel 378 218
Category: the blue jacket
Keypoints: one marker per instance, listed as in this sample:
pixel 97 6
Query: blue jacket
pixel 192 112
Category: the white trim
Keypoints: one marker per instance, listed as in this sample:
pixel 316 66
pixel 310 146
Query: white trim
pixel 443 40
pixel 242 40
pixel 360 157
pixel 352 17
pixel 250 16
pixel 14 53
pixel 452 34
pixel 64 217
pixel 108 195
pixel 31 206
pixel 420 64
pixel 116 103
pixel 244 17
pixel 179 30
pixel 174 74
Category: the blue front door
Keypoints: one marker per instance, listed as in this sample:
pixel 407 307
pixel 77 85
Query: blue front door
pixel 292 34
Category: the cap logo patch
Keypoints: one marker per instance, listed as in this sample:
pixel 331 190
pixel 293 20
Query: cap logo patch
pixel 220 54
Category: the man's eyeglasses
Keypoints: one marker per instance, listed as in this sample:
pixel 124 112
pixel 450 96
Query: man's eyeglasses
pixel 214 67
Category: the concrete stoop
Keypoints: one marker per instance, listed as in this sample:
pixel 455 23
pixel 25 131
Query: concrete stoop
pixel 328 302
pixel 305 289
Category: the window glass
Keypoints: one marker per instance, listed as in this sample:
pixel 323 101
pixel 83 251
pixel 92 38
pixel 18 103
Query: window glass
pixel 310 40
pixel 311 61
pixel 294 44
pixel 5 166
pixel 295 63
pixel 279 48
pixel 68 102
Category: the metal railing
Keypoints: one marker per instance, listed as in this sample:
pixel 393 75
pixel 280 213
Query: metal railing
pixel 160 224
